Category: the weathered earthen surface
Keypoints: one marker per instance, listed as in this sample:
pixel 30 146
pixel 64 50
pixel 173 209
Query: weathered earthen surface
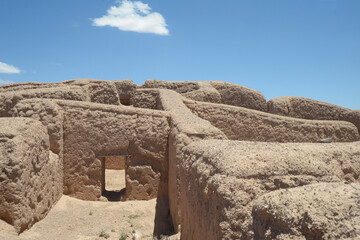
pixel 26 86
pixel 316 211
pixel 199 91
pixel 145 98
pixel 185 128
pixel 306 108
pixel 9 99
pixel 97 91
pixel 49 114
pixel 92 131
pixel 29 172
pixel 115 162
pixel 125 89
pixel 205 93
pixel 176 150
pixel 179 87
pixel 213 91
pixel 220 180
pixel 89 90
pixel 352 116
pixel 246 124
pixel 236 95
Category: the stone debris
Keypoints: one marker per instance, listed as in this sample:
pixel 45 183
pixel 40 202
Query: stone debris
pixel 325 140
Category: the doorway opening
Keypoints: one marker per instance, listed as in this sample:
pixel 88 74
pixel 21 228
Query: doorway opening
pixel 114 184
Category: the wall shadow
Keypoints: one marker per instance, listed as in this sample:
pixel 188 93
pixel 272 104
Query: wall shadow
pixel 162 223
pixel 114 196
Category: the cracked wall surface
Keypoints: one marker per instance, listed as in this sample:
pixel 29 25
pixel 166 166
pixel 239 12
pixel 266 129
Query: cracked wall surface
pixel 220 159
pixel 29 178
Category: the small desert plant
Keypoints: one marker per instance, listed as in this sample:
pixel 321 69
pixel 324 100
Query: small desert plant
pixel 133 216
pixel 90 213
pixel 136 235
pixel 104 234
pixel 123 236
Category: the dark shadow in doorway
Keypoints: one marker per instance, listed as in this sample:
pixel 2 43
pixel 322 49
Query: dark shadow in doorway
pixel 115 196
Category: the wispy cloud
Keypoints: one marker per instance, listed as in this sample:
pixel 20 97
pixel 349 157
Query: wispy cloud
pixel 5 82
pixel 133 16
pixel 6 68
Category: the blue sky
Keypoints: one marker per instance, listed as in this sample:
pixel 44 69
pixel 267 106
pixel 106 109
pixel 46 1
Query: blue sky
pixel 307 48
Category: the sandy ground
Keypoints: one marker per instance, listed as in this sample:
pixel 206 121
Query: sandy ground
pixel 71 218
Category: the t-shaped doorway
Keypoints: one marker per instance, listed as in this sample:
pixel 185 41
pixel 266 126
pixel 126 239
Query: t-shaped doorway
pixel 114 184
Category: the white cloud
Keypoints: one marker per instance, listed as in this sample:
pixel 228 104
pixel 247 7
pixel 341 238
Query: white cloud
pixel 133 16
pixel 5 82
pixel 6 68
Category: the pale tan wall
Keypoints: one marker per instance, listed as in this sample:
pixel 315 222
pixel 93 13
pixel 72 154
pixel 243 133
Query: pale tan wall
pixel 306 108
pixel 185 128
pixel 92 131
pixel 125 89
pixel 29 174
pixel 205 93
pixel 352 116
pixel 115 162
pixel 27 86
pixel 237 95
pixel 177 86
pixel 312 109
pixel 220 180
pixel 207 185
pixel 145 98
pixel 213 91
pixel 97 91
pixel 50 115
pixel 246 124
pixel 316 211
pixel 9 99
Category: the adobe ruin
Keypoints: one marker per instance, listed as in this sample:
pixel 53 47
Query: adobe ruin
pixel 223 162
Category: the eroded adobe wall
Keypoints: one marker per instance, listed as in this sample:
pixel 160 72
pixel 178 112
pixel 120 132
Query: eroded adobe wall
pixel 236 95
pixel 92 131
pixel 306 108
pixel 185 128
pixel 27 86
pixel 179 87
pixel 145 98
pixel 213 91
pixel 49 114
pixel 246 124
pixel 125 89
pixel 312 109
pixel 29 178
pixel 205 93
pixel 9 99
pixel 97 91
pixel 221 180
pixel 200 91
pixel 315 211
pixel 88 90
pixel 352 116
pixel 115 162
